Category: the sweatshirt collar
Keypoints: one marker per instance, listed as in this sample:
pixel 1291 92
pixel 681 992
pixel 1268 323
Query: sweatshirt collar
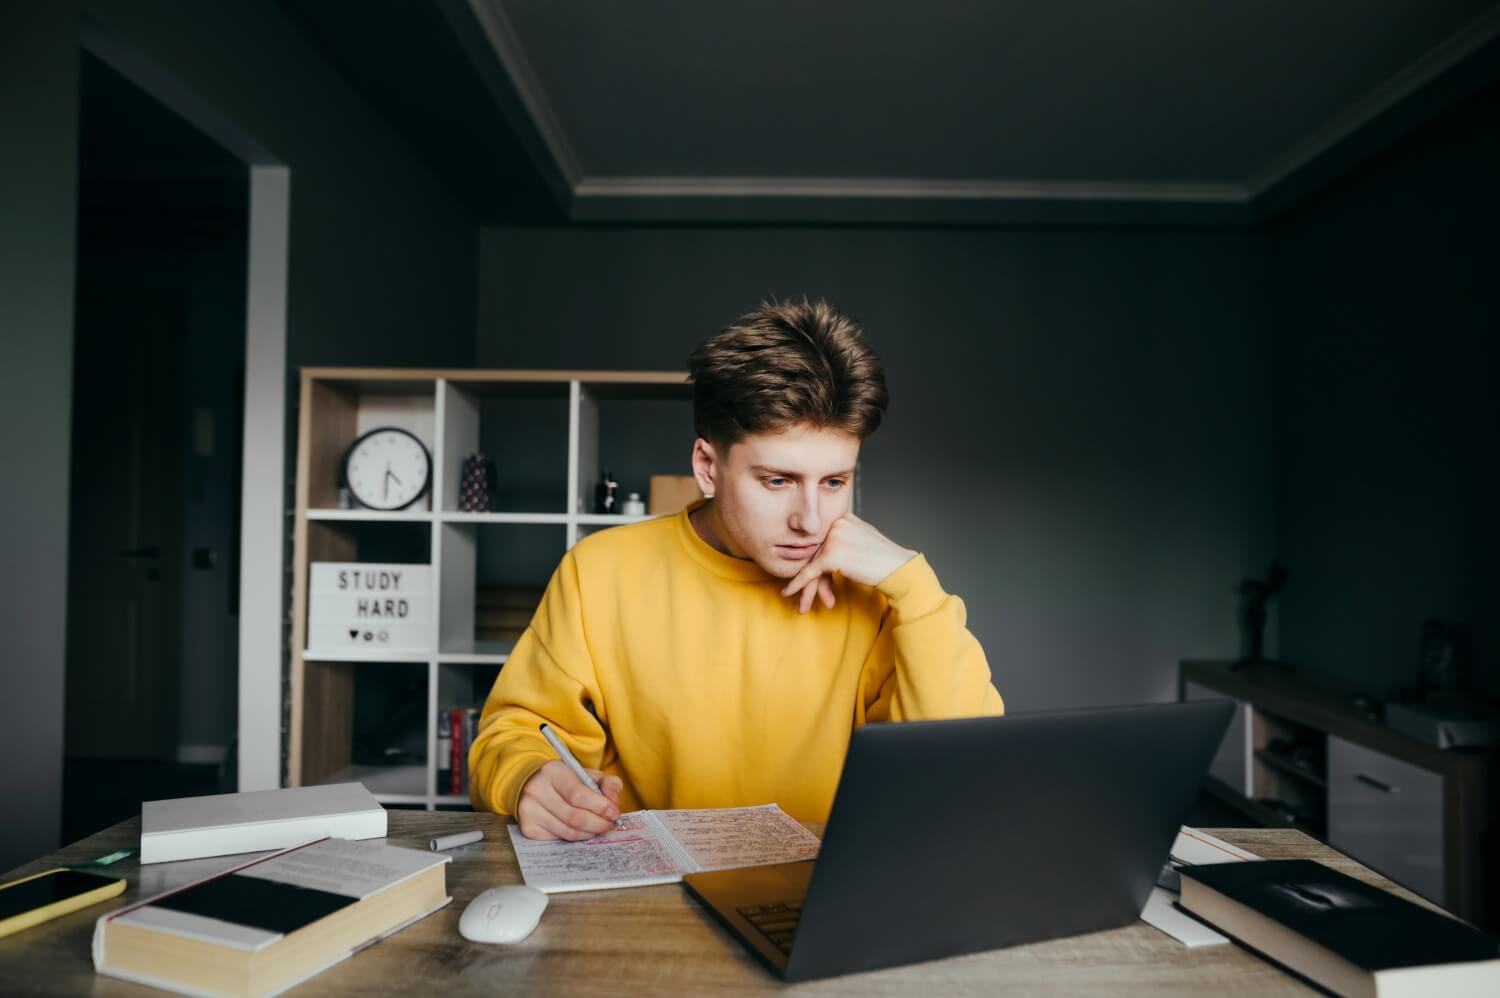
pixel 717 562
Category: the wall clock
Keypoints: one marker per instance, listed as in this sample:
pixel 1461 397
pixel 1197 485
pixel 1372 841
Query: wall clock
pixel 387 468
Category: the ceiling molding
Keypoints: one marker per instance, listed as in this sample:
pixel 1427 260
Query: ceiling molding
pixel 910 189
pixel 502 37
pixel 1397 90
pixel 901 201
pixel 865 201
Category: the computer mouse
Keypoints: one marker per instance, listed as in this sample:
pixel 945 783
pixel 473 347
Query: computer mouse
pixel 502 914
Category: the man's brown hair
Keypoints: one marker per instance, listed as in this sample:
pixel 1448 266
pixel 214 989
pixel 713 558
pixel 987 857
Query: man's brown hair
pixel 782 365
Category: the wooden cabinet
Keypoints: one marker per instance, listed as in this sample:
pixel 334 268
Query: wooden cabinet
pixel 1307 756
pixel 1388 814
pixel 374 716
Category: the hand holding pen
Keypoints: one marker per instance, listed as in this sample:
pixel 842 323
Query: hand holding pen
pixel 562 800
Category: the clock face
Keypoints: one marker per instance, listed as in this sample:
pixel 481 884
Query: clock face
pixel 387 468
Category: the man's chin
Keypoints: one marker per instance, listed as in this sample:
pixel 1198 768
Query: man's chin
pixel 778 566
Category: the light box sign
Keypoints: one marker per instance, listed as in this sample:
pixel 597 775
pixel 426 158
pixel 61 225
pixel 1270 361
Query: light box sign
pixel 368 607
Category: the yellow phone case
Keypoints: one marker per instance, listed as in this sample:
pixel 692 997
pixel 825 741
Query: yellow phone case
pixel 106 890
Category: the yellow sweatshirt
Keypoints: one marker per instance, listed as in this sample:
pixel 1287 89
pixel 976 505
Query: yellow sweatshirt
pixel 686 673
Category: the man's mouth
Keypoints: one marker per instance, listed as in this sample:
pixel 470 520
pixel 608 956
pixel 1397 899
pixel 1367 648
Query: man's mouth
pixel 797 552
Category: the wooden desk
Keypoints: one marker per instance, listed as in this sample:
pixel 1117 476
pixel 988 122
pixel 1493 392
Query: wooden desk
pixel 649 940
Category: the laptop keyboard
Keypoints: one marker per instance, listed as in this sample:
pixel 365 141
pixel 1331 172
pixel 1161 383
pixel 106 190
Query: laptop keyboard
pixel 776 921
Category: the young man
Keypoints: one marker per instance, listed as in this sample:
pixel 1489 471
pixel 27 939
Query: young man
pixel 723 656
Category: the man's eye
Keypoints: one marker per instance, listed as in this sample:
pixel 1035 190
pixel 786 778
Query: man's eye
pixel 835 483
pixel 776 483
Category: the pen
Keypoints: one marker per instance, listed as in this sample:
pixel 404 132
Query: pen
pixel 568 760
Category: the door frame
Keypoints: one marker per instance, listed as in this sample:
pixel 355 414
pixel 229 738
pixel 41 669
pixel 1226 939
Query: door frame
pixel 263 534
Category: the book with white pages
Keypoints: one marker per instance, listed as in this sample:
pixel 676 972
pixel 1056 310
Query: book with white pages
pixel 270 923
pixel 255 821
pixel 1193 847
pixel 659 847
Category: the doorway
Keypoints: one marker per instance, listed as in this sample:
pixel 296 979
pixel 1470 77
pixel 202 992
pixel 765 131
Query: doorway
pixel 154 518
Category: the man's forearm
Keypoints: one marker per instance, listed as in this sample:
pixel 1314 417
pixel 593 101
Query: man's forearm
pixel 938 668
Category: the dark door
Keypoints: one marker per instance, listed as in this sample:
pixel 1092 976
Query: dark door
pixel 123 564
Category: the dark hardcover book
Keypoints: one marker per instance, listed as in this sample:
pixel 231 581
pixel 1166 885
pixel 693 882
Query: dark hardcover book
pixel 1340 933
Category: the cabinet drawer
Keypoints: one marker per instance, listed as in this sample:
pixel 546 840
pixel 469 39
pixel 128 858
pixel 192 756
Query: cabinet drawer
pixel 1231 763
pixel 1388 814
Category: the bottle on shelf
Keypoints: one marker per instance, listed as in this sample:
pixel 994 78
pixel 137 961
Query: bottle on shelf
pixel 633 505
pixel 606 494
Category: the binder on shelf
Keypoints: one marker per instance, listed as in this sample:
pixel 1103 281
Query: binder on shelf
pixel 462 725
pixel 444 756
pixel 456 765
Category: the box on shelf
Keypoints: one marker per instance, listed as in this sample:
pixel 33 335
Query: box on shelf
pixel 502 613
pixel 672 493
pixel 366 606
pixel 1446 725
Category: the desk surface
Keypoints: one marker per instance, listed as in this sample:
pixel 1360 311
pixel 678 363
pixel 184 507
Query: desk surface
pixel 647 940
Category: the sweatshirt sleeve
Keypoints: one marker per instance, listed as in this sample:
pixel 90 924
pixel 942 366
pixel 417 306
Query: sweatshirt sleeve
pixel 925 664
pixel 548 678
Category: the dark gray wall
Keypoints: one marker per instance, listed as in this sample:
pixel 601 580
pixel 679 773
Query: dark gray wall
pixel 381 272
pixel 38 99
pixel 382 265
pixel 1386 321
pixel 1080 433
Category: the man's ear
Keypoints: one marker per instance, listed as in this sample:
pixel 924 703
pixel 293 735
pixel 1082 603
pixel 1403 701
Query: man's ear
pixel 706 467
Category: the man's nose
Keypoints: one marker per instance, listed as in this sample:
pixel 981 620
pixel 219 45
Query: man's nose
pixel 807 518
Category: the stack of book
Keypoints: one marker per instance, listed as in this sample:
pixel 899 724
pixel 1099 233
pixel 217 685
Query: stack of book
pixel 267 925
pixel 1341 934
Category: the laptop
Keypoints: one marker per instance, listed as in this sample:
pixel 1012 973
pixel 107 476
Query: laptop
pixel 950 837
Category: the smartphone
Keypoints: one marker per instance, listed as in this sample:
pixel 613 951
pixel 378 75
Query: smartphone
pixel 46 895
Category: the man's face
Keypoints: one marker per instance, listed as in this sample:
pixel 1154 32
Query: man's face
pixel 775 494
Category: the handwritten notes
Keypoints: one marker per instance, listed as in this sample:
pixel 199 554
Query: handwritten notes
pixel 729 838
pixel 658 847
pixel 632 854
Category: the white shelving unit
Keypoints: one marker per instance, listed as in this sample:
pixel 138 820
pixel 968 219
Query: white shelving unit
pixel 445 409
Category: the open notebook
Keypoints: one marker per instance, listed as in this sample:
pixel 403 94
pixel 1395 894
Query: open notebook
pixel 658 847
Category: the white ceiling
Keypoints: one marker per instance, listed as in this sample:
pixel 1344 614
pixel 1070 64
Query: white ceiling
pixel 645 107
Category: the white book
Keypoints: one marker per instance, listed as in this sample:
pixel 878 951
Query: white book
pixel 1193 847
pixel 224 824
pixel 658 847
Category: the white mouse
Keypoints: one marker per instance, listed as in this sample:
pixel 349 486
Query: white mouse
pixel 502 914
